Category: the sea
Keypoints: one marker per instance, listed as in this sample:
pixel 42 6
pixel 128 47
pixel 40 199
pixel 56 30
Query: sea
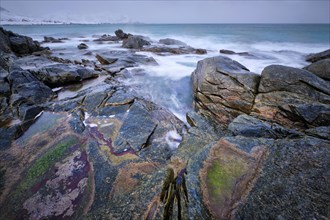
pixel 168 84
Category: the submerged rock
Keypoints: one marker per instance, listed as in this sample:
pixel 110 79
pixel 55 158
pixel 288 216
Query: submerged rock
pixel 230 52
pixel 82 46
pixel 53 40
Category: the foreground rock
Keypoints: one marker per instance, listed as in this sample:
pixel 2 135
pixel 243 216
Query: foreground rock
pixel 314 57
pixel 223 88
pixel 320 68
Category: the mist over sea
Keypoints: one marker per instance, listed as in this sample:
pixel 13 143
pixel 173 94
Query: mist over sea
pixel 168 84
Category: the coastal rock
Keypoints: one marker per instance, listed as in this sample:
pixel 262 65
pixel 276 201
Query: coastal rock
pixel 292 174
pixel 116 60
pixel 230 52
pixel 292 97
pixel 20 45
pixel 318 56
pixel 82 46
pixel 223 88
pixel 106 37
pixel 121 34
pixel 248 126
pixel 169 41
pixel 60 74
pixel 105 61
pixel 135 42
pixel 52 40
pixel 163 50
pixel 320 68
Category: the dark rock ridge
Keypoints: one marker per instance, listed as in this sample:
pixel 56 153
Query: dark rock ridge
pixel 230 52
pixel 257 147
pixel 20 45
pixel 314 57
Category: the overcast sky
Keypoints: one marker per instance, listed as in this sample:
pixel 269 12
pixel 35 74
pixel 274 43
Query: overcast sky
pixel 171 11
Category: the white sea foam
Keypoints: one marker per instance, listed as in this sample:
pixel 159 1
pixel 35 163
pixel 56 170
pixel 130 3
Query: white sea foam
pixel 173 139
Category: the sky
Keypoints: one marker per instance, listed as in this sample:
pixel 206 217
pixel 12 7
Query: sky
pixel 171 11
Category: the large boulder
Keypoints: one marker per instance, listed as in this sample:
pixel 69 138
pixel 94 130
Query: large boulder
pixel 314 57
pixel 61 74
pixel 135 42
pixel 292 97
pixel 223 88
pixel 320 68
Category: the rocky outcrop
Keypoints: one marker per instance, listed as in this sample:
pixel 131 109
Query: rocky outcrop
pixel 292 97
pixel 320 68
pixel 20 45
pixel 223 88
pixel 164 50
pixel 314 57
pixel 135 42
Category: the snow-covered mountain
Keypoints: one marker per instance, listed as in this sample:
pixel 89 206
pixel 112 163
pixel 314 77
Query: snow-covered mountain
pixel 8 18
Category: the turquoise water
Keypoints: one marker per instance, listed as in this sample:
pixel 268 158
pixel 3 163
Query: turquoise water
pixel 298 33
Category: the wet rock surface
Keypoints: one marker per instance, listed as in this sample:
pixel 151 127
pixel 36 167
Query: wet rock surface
pixel 256 148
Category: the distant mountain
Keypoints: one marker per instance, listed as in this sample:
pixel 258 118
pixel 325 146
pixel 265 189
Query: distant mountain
pixel 9 18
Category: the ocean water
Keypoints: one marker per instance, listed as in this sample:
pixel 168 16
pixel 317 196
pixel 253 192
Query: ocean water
pixel 168 84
